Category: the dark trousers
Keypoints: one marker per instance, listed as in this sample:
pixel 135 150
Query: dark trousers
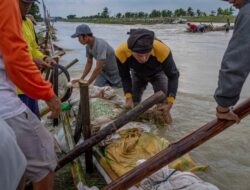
pixel 159 82
pixel 31 104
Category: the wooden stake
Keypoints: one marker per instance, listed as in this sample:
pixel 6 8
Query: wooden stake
pixel 85 117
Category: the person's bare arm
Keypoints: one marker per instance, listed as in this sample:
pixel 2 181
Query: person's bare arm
pixel 97 71
pixel 86 70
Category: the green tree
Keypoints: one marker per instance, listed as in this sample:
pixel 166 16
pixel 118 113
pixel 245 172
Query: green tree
pixel 128 15
pixel 198 12
pixel 71 16
pixel 180 12
pixel 142 14
pixel 190 11
pixel 118 15
pixel 166 13
pixel 155 13
pixel 34 10
pixel 105 12
pixel 220 11
pixel 228 11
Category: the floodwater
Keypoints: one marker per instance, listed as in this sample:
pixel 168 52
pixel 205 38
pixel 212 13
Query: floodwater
pixel 198 58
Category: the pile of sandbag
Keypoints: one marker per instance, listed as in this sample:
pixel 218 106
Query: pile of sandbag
pixel 170 179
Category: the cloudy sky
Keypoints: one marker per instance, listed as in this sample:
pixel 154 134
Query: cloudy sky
pixel 91 7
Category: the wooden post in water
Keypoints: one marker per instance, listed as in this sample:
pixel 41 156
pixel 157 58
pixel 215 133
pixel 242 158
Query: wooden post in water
pixel 110 128
pixel 176 150
pixel 55 86
pixel 85 118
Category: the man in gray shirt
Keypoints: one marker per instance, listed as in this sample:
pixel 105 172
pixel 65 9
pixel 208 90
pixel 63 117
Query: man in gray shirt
pixel 235 65
pixel 106 72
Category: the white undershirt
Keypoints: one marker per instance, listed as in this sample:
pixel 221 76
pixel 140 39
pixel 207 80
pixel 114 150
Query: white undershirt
pixel 10 104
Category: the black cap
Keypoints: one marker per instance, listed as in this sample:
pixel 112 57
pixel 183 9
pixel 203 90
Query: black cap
pixel 140 40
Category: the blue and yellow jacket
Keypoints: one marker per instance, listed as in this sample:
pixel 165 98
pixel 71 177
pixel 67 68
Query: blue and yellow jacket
pixel 160 60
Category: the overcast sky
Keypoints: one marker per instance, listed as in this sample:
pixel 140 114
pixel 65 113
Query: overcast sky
pixel 92 7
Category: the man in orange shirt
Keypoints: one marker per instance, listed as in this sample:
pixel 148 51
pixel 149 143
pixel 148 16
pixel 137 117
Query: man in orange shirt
pixel 16 67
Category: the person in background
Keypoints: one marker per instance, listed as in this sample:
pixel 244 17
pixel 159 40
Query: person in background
pixel 235 65
pixel 106 72
pixel 149 61
pixel 18 69
pixel 192 27
pixel 201 28
pixel 227 25
pixel 42 61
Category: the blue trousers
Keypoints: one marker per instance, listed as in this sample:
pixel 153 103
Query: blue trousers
pixel 30 103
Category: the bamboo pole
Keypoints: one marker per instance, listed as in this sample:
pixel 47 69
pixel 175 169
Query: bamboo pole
pixel 76 168
pixel 69 65
pixel 60 53
pixel 85 116
pixel 55 86
pixel 110 128
pixel 176 150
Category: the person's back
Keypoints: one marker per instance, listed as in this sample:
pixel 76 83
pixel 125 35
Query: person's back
pixel 99 45
pixel 102 51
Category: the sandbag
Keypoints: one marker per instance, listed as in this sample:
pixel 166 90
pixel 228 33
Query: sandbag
pixel 170 179
pixel 123 154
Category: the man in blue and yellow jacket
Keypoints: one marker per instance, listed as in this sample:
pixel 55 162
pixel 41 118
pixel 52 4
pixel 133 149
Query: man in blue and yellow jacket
pixel 142 60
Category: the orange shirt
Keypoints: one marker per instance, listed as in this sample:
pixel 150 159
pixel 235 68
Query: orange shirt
pixel 18 63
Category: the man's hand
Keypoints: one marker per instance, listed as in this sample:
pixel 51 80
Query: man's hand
pixel 55 106
pixel 165 108
pixel 41 64
pixel 227 114
pixel 129 103
pixel 50 61
pixel 75 81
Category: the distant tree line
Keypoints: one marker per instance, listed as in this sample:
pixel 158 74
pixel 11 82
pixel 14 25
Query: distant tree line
pixel 189 12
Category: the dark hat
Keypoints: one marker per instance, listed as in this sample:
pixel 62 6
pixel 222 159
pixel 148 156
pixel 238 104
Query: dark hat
pixel 140 40
pixel 82 29
pixel 30 1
